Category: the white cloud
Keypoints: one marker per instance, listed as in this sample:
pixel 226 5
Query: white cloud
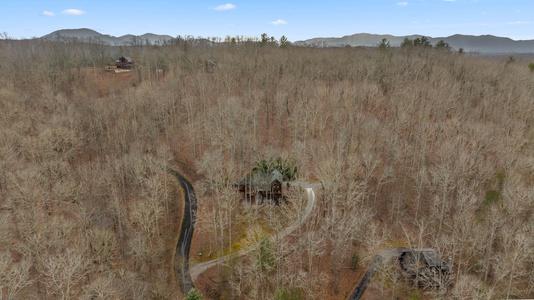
pixel 226 6
pixel 279 22
pixel 73 12
pixel 402 3
pixel 48 13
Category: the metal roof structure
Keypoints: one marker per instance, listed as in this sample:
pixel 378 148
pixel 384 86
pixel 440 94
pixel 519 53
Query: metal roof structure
pixel 261 181
pixel 415 261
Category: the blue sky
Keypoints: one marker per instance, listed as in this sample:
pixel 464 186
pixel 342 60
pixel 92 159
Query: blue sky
pixel 296 19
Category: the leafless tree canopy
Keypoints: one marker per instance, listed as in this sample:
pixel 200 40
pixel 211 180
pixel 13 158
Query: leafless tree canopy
pixel 411 147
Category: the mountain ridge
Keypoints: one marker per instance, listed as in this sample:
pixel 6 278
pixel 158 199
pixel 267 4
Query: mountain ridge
pixel 93 35
pixel 482 44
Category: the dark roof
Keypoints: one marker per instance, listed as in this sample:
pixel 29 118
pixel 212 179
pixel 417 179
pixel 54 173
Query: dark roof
pixel 124 59
pixel 432 258
pixel 427 256
pixel 262 181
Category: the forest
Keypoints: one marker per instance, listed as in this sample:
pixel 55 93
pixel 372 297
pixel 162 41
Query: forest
pixel 413 147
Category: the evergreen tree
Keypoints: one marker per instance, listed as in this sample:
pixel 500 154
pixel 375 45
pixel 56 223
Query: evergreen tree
pixel 193 294
pixel 284 42
pixel 443 45
pixel 384 44
pixel 406 42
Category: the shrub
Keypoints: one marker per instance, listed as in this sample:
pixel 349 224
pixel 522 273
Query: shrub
pixel 289 294
pixel 416 295
pixel 265 256
pixel 501 176
pixel 193 294
pixel 491 197
pixel 531 66
pixel 354 261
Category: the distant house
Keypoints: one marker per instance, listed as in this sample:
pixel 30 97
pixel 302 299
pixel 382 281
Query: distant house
pixel 425 264
pixel 260 187
pixel 124 63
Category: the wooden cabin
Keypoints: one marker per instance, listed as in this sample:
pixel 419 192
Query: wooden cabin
pixel 124 63
pixel 260 187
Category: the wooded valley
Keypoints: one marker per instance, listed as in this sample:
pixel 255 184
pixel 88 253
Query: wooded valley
pixel 413 147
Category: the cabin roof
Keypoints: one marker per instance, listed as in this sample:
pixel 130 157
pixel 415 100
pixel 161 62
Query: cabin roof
pixel 124 59
pixel 432 258
pixel 428 256
pixel 262 181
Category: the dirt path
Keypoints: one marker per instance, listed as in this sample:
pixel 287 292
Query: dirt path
pixel 197 269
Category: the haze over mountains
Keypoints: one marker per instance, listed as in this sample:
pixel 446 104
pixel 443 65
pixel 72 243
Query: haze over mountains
pixel 91 35
pixel 484 44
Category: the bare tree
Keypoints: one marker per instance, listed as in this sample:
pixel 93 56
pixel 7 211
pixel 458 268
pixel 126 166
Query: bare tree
pixel 14 276
pixel 102 288
pixel 511 265
pixel 103 245
pixel 314 243
pixel 63 272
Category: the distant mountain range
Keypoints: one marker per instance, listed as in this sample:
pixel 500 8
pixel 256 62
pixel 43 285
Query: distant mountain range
pixel 484 44
pixel 86 34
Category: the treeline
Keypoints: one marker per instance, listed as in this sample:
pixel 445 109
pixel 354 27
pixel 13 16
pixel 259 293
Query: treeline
pixel 413 146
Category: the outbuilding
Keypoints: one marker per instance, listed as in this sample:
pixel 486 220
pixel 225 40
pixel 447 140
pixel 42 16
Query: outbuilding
pixel 426 265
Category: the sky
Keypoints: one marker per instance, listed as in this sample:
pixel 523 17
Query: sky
pixel 296 19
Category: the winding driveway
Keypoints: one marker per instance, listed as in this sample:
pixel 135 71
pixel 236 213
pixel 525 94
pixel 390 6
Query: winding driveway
pixel 189 273
pixel 181 269
pixel 384 256
pixel 197 269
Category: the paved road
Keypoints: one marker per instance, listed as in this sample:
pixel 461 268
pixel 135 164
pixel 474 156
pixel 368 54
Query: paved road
pixel 181 267
pixel 385 256
pixel 198 269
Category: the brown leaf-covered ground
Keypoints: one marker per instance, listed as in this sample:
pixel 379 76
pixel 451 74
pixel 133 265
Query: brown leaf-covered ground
pixel 414 147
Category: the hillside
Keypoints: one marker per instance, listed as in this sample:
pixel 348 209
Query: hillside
pixel 91 35
pixel 485 44
pixel 418 147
